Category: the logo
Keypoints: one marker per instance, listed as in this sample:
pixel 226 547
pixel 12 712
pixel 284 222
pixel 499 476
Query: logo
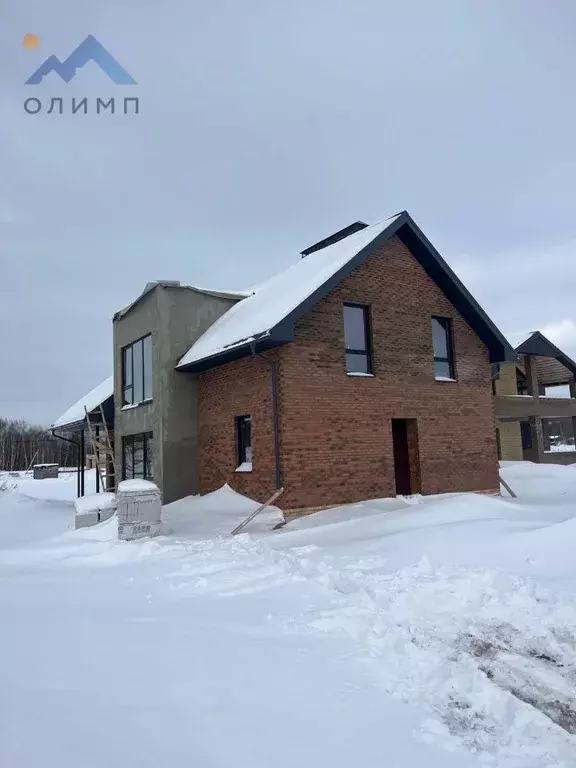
pixel 89 50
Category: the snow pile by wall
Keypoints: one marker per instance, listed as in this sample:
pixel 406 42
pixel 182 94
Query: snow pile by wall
pixel 93 509
pixel 216 514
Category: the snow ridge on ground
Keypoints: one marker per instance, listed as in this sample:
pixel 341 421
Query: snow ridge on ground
pixel 492 656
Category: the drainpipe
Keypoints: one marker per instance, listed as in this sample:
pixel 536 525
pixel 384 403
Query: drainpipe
pixel 275 416
pixel 72 442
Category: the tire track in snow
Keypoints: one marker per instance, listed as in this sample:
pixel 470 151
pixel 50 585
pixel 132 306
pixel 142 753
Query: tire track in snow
pixel 422 629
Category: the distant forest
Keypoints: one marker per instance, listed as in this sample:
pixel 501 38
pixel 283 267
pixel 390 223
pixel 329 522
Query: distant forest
pixel 23 444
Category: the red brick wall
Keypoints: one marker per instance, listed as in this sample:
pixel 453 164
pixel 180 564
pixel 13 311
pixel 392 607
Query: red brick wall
pixel 335 430
pixel 237 389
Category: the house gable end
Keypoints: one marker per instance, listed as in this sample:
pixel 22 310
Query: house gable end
pixel 437 269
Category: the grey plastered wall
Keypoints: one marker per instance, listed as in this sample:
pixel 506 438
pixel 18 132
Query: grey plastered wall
pixel 141 320
pixel 176 317
pixel 184 315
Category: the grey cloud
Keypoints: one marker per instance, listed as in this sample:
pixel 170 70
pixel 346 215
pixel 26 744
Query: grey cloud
pixel 264 126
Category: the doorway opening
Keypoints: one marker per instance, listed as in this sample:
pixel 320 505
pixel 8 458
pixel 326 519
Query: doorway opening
pixel 406 456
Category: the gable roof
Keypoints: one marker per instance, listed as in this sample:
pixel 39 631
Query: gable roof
pixel 76 413
pixel 266 318
pixel 537 344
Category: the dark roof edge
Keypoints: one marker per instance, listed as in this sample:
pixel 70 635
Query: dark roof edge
pixel 543 342
pixel 231 354
pixel 72 426
pixel 475 310
pixel 431 261
pixel 285 327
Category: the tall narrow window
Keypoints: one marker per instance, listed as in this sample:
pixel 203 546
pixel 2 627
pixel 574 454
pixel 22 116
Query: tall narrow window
pixel 137 371
pixel 526 434
pixel 357 338
pixel 443 352
pixel 147 365
pixel 244 441
pixel 127 375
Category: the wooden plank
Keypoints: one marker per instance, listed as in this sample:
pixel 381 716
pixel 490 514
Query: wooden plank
pixel 251 517
pixel 510 491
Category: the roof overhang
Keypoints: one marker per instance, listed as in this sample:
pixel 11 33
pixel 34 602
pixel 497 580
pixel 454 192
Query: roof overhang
pixel 538 345
pixel 78 424
pixel 237 352
pixel 405 228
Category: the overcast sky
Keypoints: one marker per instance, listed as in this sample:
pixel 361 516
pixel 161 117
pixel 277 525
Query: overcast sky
pixel 265 126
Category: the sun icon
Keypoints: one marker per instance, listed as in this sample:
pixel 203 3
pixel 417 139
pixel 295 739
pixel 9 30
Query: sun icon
pixel 30 42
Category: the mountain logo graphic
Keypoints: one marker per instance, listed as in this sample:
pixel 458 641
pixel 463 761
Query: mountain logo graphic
pixel 89 50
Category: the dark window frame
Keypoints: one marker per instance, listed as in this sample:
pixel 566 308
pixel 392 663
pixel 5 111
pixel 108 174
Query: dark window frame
pixel 243 439
pixel 526 435
pixel 147 454
pixel 446 323
pixel 366 353
pixel 521 383
pixel 129 349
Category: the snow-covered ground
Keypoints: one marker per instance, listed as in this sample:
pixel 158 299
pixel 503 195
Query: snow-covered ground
pixel 438 631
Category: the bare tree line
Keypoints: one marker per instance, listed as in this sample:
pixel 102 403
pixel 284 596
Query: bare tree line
pixel 22 444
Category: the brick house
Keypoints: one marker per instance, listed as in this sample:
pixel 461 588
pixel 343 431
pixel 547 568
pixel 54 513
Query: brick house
pixel 535 404
pixel 363 370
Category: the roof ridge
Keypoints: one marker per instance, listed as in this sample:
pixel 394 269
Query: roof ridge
pixel 268 316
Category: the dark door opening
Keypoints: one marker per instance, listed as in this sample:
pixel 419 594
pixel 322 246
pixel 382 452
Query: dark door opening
pixel 405 445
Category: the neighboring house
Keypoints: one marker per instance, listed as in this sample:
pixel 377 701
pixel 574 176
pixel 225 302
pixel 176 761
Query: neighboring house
pixel 535 404
pixel 73 427
pixel 362 370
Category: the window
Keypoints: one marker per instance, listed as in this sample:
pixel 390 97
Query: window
pixel 443 352
pixel 526 434
pixel 244 441
pixel 357 338
pixel 137 456
pixel 137 371
pixel 521 383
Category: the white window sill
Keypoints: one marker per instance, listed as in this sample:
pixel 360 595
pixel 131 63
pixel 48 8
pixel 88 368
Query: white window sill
pixel 507 395
pixel 360 374
pixel 244 467
pixel 130 406
pixel 444 378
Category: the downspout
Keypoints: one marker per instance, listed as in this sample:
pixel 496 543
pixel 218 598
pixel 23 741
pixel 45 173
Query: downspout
pixel 72 442
pixel 275 414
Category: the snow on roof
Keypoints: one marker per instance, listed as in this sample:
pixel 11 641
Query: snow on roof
pixel 274 299
pixel 176 284
pixel 92 400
